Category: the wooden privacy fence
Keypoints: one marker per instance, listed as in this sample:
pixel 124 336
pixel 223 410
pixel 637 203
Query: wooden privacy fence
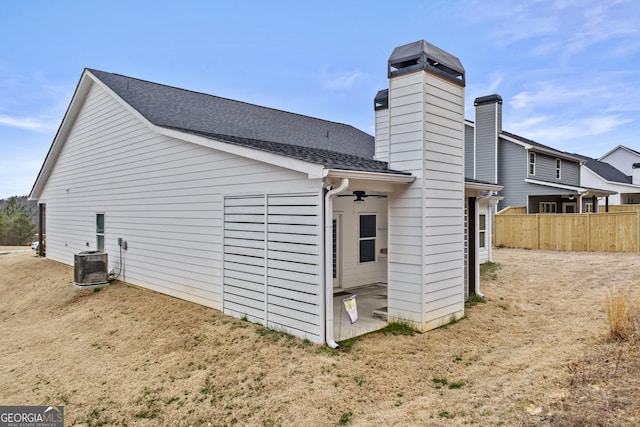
pixel 602 232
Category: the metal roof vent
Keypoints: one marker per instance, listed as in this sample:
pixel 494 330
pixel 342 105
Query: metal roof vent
pixel 422 55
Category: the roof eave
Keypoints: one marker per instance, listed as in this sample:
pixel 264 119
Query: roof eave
pixel 543 150
pixel 482 186
pixel 370 176
pixel 577 190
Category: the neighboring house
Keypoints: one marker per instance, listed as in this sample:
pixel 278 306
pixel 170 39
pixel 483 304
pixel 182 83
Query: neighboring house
pixel 240 207
pixel 622 158
pixel 599 174
pixel 536 176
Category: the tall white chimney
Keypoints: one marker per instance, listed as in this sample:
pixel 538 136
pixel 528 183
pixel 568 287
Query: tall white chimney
pixel 426 219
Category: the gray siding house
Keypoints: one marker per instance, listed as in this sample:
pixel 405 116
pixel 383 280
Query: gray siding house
pixel 263 213
pixel 541 178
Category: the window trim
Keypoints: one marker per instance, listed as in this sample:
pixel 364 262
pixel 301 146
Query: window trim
pixel 100 234
pixel 482 230
pixel 552 207
pixel 588 207
pixel 558 169
pixel 532 163
pixel 367 238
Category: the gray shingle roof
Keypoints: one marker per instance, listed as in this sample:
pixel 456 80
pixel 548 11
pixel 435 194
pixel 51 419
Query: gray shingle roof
pixel 605 170
pixel 334 145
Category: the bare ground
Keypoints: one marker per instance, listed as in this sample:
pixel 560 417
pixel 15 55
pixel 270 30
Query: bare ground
pixel 533 354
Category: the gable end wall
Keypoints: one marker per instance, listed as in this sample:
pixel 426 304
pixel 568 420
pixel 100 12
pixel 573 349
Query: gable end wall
pixel 164 196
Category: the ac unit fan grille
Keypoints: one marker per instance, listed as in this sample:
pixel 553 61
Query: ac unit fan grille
pixel 90 268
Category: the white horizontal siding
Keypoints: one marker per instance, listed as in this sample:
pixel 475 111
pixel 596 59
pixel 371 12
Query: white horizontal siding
pixel 382 135
pixel 426 221
pixel 162 195
pixel 282 252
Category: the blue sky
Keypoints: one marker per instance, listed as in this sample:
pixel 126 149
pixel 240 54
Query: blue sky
pixel 568 71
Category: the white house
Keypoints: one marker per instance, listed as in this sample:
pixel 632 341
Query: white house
pixel 241 208
pixel 622 158
pixel 598 174
pixel 617 170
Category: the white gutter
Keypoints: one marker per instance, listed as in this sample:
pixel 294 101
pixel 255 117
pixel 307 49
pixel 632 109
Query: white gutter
pixel 368 176
pixel 328 261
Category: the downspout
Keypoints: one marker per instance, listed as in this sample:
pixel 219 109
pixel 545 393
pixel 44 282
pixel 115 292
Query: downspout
pixel 488 233
pixel 328 261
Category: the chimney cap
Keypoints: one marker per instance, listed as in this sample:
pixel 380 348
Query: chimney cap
pixel 381 100
pixel 422 55
pixel 489 99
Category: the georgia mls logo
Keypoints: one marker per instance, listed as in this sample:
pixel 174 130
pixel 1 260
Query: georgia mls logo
pixel 31 416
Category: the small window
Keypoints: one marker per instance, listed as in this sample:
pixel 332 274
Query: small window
pixel 100 232
pixel 482 228
pixel 558 168
pixel 547 207
pixel 532 163
pixel 367 238
pixel 588 207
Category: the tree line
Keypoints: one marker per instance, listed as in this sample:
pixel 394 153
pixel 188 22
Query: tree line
pixel 16 226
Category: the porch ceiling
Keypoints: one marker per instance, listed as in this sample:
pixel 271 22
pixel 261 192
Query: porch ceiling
pixel 368 181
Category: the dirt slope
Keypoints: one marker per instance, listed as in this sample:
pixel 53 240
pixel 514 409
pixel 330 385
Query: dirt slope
pixel 533 354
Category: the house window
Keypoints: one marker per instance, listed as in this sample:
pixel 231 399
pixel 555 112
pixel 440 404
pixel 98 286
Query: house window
pixel 547 207
pixel 100 232
pixel 367 238
pixel 482 228
pixel 532 163
pixel 588 207
pixel 558 168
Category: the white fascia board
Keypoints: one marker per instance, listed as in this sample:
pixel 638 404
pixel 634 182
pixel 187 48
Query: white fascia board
pixel 79 95
pixel 369 176
pixel 554 185
pixel 482 187
pixel 629 150
pixel 580 190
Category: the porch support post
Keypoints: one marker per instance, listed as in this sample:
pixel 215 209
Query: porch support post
pixel 41 209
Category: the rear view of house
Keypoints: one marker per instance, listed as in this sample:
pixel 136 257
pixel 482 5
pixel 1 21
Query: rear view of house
pixel 263 213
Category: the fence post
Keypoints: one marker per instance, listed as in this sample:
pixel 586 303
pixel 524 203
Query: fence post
pixel 538 230
pixel 588 233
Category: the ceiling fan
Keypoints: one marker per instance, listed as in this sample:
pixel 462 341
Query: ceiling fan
pixel 360 195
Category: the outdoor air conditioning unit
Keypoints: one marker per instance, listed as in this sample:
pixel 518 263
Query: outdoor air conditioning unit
pixel 90 269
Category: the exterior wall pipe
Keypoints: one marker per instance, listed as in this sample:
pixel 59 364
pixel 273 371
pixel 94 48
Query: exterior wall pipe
pixel 328 261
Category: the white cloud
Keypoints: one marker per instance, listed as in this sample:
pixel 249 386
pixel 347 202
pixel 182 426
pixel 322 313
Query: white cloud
pixel 341 81
pixel 28 123
pixel 549 130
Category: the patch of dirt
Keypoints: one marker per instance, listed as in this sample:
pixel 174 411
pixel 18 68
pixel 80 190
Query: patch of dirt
pixel 533 354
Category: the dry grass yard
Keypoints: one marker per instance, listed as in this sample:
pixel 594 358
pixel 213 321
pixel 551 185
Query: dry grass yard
pixel 535 353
